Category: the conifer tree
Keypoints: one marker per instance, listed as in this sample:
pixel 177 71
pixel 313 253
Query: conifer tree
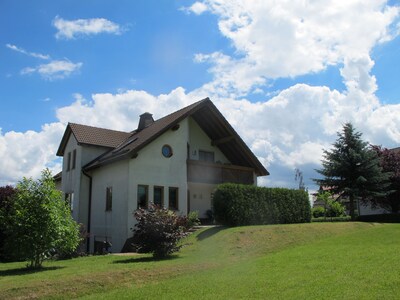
pixel 351 169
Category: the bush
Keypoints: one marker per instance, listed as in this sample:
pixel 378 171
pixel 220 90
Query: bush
pixel 335 209
pixel 158 231
pixel 331 219
pixel 193 219
pixel 237 205
pixel 318 212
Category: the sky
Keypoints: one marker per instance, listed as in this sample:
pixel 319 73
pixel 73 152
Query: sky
pixel 286 74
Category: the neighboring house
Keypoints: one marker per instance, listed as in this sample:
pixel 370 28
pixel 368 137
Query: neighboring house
pixel 174 162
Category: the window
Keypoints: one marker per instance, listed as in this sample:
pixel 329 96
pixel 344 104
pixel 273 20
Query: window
pixel 158 197
pixel 74 159
pixel 69 198
pixel 142 196
pixel 206 156
pixel 173 198
pixel 108 198
pixel 166 150
pixel 69 161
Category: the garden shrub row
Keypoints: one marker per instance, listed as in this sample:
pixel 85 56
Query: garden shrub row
pixel 331 219
pixel 238 205
pixel 382 218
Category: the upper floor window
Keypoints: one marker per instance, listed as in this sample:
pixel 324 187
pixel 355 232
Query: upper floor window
pixel 108 198
pixel 166 151
pixel 142 196
pixel 206 156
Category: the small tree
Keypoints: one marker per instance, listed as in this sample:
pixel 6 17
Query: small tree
pixel 351 169
pixel 158 231
pixel 390 162
pixel 39 222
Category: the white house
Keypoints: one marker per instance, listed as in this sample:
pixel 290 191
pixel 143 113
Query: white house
pixel 175 162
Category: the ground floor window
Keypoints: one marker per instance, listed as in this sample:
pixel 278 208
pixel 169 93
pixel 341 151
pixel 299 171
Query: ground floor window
pixel 143 196
pixel 158 197
pixel 69 198
pixel 173 198
pixel 109 198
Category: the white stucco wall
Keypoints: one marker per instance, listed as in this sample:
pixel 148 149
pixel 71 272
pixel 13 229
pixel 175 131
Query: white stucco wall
pixel 151 168
pixel 200 197
pixel 199 140
pixel 366 209
pixel 110 225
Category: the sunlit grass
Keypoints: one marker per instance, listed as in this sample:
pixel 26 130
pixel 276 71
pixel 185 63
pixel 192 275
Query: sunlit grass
pixel 324 260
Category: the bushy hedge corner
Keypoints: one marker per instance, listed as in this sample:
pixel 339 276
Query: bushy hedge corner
pixel 237 205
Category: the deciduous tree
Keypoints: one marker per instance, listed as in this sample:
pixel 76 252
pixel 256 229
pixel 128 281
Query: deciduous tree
pixel 39 222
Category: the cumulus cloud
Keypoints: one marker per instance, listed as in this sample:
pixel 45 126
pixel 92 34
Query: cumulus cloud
pixel 23 51
pixel 70 29
pixel 272 39
pixel 197 8
pixel 275 39
pixel 56 69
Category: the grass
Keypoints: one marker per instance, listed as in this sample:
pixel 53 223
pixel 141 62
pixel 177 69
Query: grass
pixel 299 261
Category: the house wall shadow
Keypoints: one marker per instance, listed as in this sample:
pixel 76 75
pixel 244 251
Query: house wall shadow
pixel 210 232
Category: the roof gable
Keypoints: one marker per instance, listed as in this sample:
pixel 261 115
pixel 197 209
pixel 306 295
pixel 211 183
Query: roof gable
pixel 89 135
pixel 211 121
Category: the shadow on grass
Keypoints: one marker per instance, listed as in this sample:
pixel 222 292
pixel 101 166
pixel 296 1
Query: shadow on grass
pixel 144 259
pixel 210 232
pixel 25 271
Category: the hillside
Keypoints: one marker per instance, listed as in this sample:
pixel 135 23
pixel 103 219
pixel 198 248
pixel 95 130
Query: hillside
pixel 299 261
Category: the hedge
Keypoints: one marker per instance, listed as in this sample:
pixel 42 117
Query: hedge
pixel 381 218
pixel 238 205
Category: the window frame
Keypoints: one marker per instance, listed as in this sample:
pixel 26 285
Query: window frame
pixel 109 198
pixel 176 189
pixel 69 161
pixel 146 187
pixel 161 194
pixel 73 159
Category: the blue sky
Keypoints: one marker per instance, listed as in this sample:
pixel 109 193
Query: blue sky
pixel 287 74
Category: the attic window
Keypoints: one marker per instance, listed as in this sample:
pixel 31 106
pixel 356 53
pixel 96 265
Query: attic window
pixel 166 151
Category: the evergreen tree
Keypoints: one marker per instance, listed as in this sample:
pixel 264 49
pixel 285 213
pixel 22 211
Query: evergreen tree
pixel 351 169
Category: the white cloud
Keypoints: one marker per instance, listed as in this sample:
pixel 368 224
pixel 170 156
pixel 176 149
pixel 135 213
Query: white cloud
pixel 70 29
pixel 23 51
pixel 197 8
pixel 276 39
pixel 56 69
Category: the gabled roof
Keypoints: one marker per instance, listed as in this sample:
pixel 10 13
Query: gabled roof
pixel 89 135
pixel 209 119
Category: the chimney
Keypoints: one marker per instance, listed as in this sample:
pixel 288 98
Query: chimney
pixel 145 120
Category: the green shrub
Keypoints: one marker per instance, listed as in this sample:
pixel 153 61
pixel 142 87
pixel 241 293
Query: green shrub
pixel 193 219
pixel 237 205
pixel 158 231
pixel 318 212
pixel 335 209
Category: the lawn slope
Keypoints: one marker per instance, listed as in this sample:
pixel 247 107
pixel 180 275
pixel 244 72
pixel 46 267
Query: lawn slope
pixel 299 261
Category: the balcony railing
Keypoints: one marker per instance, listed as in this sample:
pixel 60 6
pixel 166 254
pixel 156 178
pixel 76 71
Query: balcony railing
pixel 205 172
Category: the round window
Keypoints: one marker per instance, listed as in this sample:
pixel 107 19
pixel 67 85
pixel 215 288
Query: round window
pixel 166 151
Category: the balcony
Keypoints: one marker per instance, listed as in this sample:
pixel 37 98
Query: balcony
pixel 205 172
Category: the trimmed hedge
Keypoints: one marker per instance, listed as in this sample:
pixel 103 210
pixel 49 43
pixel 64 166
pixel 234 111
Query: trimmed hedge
pixel 331 219
pixel 238 205
pixel 381 218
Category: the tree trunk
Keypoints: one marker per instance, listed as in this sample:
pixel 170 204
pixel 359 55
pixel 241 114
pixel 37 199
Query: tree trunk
pixel 352 214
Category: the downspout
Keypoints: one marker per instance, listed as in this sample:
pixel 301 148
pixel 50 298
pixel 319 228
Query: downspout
pixel 89 210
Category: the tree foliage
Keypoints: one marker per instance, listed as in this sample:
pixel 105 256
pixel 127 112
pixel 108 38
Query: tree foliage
pixel 158 231
pixel 351 169
pixel 39 222
pixel 6 197
pixel 390 162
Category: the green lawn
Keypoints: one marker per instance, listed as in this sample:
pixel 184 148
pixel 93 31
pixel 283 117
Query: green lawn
pixel 300 261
